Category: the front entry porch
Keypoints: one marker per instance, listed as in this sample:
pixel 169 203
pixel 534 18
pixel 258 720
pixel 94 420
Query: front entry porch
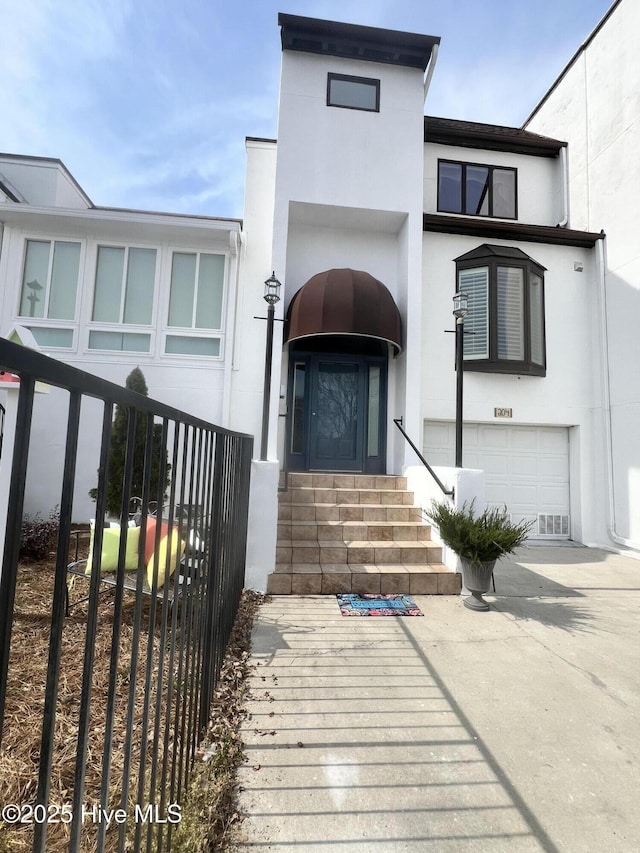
pixel 340 533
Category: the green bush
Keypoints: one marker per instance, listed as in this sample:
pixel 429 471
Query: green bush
pixel 38 537
pixel 478 538
pixel 117 451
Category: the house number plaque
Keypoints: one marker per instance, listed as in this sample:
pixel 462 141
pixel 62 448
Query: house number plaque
pixel 503 413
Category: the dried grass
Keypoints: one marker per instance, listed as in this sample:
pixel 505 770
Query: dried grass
pixel 209 815
pixel 211 821
pixel 19 757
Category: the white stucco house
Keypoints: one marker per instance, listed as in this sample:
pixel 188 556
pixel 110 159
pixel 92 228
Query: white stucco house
pixel 372 215
pixel 595 107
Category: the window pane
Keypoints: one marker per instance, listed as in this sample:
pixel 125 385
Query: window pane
pixel 108 292
pixel 183 280
pixel 297 419
pixel 537 319
pixel 358 94
pixel 141 271
pixel 210 285
pixel 475 283
pixel 504 193
pixel 34 280
pixel 64 282
pixel 52 337
pixel 511 313
pixel 373 415
pixel 450 187
pixel 477 191
pixel 186 345
pixel 120 341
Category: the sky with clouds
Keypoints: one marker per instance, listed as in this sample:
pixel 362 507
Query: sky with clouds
pixel 148 102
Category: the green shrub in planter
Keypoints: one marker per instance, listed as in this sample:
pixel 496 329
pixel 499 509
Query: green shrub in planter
pixel 479 540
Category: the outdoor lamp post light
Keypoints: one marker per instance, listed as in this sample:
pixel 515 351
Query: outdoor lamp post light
pixel 460 310
pixel 271 297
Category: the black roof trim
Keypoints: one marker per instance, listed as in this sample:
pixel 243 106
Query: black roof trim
pixel 492 137
pixel 510 231
pixel 351 41
pixel 488 251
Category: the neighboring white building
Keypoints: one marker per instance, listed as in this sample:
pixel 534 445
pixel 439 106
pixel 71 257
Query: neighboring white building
pixel 108 290
pixel 372 216
pixel 595 106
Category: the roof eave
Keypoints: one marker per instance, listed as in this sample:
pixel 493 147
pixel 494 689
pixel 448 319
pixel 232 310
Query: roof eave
pixel 499 230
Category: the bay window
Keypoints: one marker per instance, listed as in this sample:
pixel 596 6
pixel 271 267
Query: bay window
pixel 504 326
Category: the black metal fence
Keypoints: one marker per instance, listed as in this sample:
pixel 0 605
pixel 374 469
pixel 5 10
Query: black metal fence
pixel 162 643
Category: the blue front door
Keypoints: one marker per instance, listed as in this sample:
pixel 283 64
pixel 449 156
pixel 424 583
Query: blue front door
pixel 337 413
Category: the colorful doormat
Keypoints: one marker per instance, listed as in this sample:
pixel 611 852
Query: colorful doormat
pixel 377 605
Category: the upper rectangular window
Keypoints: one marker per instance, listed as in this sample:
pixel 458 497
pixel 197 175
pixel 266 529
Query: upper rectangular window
pixel 355 93
pixel 124 292
pixel 125 282
pixel 50 280
pixel 477 190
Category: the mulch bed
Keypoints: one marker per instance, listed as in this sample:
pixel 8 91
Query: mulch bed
pixel 19 754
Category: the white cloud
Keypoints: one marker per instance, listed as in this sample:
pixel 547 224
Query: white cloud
pixel 148 102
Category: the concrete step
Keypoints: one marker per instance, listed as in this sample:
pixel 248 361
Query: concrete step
pixel 362 578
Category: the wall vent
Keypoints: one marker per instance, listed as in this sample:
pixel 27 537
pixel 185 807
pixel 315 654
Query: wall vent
pixel 553 525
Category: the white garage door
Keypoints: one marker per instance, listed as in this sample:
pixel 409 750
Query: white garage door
pixel 526 468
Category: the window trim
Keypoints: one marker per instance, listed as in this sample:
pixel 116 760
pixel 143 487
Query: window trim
pixel 463 184
pixel 350 78
pixel 45 322
pixel 47 287
pixel 127 247
pixel 494 364
pixel 120 326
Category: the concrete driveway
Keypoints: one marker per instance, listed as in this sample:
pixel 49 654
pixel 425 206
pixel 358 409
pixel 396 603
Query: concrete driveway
pixel 515 730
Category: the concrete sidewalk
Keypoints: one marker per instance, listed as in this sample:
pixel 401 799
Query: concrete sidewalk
pixel 515 730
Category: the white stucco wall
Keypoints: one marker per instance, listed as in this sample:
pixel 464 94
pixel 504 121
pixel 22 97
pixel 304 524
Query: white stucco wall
pixel 345 198
pixel 569 395
pixel 595 106
pixel 257 264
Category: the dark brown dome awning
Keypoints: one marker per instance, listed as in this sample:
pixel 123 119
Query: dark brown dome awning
pixel 344 302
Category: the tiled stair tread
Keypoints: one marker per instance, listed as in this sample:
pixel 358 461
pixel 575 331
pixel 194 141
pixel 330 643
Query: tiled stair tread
pixel 368 579
pixel 393 551
pixel 296 522
pixel 357 543
pixel 361 568
pixel 347 481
